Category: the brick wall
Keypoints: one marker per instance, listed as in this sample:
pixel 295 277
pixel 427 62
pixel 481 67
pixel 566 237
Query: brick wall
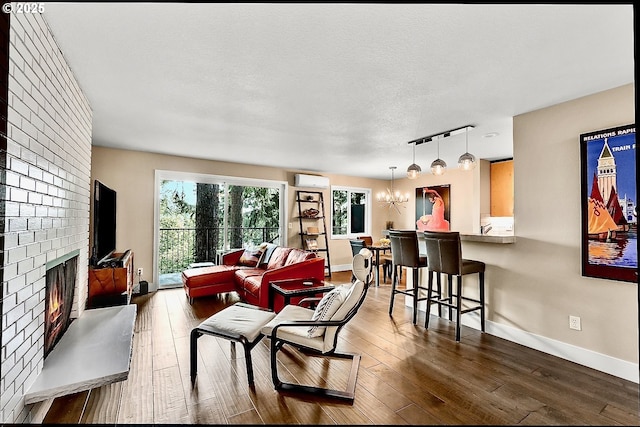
pixel 4 94
pixel 46 199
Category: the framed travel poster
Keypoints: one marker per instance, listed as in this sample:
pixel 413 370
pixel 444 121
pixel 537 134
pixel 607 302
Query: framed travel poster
pixel 433 208
pixel 609 204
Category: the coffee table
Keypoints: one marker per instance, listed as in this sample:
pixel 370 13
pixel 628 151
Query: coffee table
pixel 290 288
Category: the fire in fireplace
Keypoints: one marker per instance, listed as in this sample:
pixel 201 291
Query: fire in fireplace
pixel 60 288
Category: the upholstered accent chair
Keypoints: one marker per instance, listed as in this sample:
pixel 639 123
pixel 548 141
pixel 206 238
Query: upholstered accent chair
pixel 315 332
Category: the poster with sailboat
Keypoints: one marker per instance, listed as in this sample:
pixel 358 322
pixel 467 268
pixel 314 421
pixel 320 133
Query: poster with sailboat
pixel 609 204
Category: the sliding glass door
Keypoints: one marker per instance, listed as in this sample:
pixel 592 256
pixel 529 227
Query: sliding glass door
pixel 199 217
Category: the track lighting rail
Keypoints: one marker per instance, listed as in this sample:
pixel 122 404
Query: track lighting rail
pixel 441 135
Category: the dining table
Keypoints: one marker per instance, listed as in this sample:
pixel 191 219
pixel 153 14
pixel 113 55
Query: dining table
pixel 377 248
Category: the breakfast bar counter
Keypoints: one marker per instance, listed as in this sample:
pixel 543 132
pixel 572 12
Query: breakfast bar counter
pixel 488 238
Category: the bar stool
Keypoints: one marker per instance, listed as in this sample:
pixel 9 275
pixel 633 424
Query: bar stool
pixel 445 257
pixel 405 253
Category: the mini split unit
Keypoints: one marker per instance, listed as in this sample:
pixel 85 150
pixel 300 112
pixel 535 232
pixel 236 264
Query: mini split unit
pixel 312 181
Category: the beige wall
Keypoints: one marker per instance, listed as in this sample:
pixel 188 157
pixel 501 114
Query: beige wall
pixel 464 193
pixel 132 175
pixel 536 283
pixel 533 285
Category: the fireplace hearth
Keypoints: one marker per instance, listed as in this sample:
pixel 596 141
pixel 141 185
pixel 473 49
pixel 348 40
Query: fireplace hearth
pixel 60 288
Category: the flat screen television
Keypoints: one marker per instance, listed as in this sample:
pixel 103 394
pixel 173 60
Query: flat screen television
pixel 104 222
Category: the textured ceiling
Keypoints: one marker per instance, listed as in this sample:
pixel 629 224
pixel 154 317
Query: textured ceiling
pixel 339 88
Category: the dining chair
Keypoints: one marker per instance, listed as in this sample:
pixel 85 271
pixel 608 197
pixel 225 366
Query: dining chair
pixel 405 253
pixel 445 257
pixel 356 247
pixel 368 240
pixel 385 259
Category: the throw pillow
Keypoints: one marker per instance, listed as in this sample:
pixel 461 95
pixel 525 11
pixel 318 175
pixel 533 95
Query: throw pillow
pixel 250 257
pixel 327 307
pixel 267 250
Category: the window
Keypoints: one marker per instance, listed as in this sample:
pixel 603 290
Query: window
pixel 199 217
pixel 350 212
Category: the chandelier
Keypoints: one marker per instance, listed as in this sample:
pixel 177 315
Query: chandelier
pixel 391 197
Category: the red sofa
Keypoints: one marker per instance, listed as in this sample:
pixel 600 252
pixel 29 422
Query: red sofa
pixel 249 273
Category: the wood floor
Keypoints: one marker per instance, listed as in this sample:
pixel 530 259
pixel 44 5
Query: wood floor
pixel 407 375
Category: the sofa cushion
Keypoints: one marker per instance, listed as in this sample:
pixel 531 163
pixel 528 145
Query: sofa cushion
pixel 279 257
pixel 250 257
pixel 205 276
pixel 242 273
pixel 252 285
pixel 298 255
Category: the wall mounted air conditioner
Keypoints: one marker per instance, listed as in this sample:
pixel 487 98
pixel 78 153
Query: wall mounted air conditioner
pixel 312 181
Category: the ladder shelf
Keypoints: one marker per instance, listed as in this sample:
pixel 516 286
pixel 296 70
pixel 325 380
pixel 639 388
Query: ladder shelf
pixel 313 227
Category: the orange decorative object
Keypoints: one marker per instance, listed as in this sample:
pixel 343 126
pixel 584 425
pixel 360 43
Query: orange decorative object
pixel 310 213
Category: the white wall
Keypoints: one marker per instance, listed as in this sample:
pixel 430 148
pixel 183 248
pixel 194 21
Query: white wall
pixel 47 199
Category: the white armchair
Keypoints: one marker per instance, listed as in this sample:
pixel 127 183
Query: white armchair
pixel 316 331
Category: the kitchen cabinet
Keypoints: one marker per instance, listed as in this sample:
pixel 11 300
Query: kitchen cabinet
pixel 502 188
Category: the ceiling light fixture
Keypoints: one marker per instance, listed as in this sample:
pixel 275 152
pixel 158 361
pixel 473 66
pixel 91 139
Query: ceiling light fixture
pixel 391 197
pixel 467 161
pixel 438 166
pixel 414 170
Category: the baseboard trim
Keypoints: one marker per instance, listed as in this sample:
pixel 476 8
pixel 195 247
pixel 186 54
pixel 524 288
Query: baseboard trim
pixel 582 356
pixel 342 267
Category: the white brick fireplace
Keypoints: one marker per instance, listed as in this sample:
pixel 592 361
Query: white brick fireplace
pixel 46 200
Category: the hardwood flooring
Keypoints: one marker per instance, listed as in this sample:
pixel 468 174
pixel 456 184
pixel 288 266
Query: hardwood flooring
pixel 407 375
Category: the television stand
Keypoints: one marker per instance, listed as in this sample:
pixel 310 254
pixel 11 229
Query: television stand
pixel 109 286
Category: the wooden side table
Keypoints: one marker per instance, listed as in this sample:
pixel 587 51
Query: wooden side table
pixel 291 288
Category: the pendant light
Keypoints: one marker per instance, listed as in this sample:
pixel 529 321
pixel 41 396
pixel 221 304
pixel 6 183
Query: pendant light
pixel 438 166
pixel 414 170
pixel 467 161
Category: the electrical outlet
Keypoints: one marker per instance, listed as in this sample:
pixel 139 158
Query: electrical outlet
pixel 574 323
pixel 139 271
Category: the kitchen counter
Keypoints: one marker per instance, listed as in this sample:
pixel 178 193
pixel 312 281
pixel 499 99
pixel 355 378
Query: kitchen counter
pixel 495 237
pixel 488 238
